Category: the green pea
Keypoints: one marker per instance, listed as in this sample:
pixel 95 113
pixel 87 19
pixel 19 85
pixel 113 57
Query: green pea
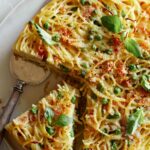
pixel 73 99
pixel 56 37
pixel 98 37
pixel 46 25
pixel 104 101
pixel 132 67
pixel 100 88
pixel 117 90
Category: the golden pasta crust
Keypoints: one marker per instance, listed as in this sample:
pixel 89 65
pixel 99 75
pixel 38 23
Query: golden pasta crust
pixel 106 44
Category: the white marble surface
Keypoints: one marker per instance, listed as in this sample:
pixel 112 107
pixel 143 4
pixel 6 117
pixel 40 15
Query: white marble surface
pixel 12 22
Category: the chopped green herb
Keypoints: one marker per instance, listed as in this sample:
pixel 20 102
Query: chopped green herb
pixel 145 82
pixel 60 95
pixel 132 67
pixel 108 51
pixel 100 88
pixel 83 2
pixel 98 37
pixel 112 23
pixel 73 99
pixel 49 114
pixel 74 9
pixel 72 133
pixel 34 109
pixel 114 116
pixel 84 65
pixel 123 13
pixel 50 130
pixel 113 145
pixel 118 131
pixel 41 145
pixel 46 25
pixel 95 12
pixel 104 101
pixel 64 68
pixel 56 37
pixel 105 130
pixel 133 47
pixel 63 120
pixel 96 22
pixel 135 119
pixel 117 90
pixel 47 38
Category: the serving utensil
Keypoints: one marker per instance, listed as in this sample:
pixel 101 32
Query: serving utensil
pixel 25 73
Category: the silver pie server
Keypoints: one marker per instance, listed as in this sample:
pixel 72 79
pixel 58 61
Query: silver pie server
pixel 25 73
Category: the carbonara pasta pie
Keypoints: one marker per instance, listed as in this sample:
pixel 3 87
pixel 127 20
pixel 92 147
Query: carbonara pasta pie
pixel 49 124
pixel 105 44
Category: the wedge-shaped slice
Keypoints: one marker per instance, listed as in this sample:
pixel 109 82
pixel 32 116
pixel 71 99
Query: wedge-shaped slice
pixel 115 125
pixel 49 124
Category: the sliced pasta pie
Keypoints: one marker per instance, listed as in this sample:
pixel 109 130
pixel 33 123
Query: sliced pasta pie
pixel 105 43
pixel 49 124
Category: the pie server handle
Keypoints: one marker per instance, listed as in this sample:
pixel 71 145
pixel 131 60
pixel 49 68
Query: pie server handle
pixel 8 109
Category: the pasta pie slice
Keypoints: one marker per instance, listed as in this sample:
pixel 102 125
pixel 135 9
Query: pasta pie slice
pixel 49 124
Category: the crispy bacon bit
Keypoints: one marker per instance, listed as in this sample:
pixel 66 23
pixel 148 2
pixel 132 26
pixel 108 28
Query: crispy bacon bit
pixel 57 112
pixel 107 66
pixel 41 50
pixel 65 32
pixel 116 41
pixel 126 83
pixel 87 12
pixel 32 117
pixel 95 5
pixel 120 69
pixel 143 92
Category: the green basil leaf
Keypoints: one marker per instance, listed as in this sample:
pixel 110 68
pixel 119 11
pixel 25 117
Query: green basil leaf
pixel 112 23
pixel 47 38
pixel 145 82
pixel 134 120
pixel 49 114
pixel 63 120
pixel 133 47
